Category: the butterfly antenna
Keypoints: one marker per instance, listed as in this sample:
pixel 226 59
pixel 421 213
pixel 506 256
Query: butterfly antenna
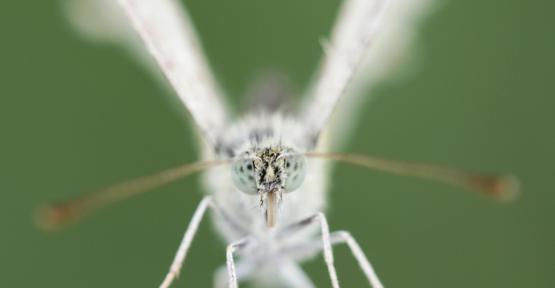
pixel 500 187
pixel 52 216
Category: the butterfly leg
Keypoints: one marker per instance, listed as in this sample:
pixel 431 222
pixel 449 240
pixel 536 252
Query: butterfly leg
pixel 290 274
pixel 326 242
pixel 363 263
pixel 231 270
pixel 307 250
pixel 186 242
pixel 244 270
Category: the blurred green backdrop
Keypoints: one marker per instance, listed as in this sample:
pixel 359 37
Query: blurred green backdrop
pixel 76 116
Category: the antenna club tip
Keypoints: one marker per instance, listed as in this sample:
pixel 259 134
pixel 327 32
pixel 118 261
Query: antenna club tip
pixel 504 188
pixel 50 217
pixel 507 188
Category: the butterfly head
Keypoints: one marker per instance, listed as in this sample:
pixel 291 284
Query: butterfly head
pixel 269 172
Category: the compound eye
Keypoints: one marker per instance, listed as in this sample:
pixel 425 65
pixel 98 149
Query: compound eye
pixel 295 166
pixel 243 176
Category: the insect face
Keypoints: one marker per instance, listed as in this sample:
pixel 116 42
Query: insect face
pixel 274 169
pixel 269 172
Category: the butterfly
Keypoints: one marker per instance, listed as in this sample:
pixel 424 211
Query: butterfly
pixel 265 176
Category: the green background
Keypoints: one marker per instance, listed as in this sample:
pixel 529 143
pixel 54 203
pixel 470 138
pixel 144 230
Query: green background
pixel 75 116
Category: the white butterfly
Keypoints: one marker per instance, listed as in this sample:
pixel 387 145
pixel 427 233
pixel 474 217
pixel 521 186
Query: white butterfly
pixel 266 159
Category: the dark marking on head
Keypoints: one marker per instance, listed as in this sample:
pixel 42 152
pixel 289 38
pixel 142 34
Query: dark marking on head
pixel 229 152
pixel 258 135
pixel 221 148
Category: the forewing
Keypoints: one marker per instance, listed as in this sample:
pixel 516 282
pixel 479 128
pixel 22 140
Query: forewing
pixel 170 39
pixel 103 21
pixel 166 30
pixel 367 33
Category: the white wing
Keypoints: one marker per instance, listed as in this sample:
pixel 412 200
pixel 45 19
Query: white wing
pixel 169 37
pixel 165 28
pixel 368 33
pixel 104 22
